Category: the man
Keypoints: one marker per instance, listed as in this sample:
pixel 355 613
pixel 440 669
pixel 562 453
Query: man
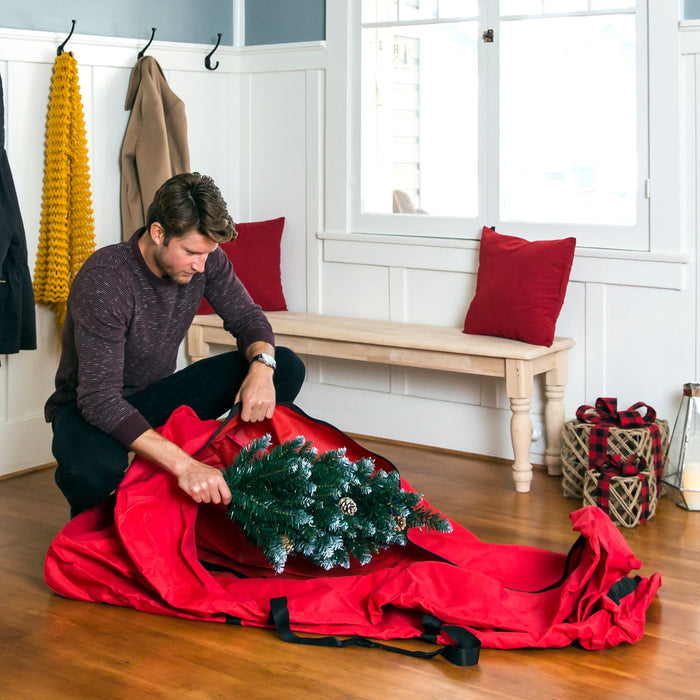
pixel 129 308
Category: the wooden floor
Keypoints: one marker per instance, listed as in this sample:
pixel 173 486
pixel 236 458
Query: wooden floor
pixel 56 648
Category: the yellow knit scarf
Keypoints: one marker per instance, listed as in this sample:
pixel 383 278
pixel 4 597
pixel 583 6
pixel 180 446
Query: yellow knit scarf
pixel 67 234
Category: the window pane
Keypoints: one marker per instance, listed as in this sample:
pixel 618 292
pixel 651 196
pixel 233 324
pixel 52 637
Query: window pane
pixel 419 141
pixel 565 5
pixel 417 9
pixel 568 139
pixel 379 10
pixel 458 8
pixel 520 7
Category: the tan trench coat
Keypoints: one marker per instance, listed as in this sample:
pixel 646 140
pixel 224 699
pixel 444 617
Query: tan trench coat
pixel 155 143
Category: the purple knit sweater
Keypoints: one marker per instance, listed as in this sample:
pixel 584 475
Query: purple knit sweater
pixel 124 326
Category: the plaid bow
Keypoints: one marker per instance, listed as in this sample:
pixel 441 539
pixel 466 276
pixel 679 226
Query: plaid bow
pixel 612 466
pixel 605 416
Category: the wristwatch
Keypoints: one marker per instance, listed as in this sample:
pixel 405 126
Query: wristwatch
pixel 266 359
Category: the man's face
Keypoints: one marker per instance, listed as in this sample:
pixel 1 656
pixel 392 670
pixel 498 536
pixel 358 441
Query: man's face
pixel 182 257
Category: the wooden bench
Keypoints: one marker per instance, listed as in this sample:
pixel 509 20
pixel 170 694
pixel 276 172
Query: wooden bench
pixel 428 347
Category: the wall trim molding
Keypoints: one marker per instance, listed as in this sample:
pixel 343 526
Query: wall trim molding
pixel 606 253
pixel 618 267
pixel 40 47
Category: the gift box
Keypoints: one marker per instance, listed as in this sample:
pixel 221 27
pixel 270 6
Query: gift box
pixel 600 431
pixel 626 489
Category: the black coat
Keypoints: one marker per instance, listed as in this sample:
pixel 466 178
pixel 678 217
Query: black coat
pixel 17 317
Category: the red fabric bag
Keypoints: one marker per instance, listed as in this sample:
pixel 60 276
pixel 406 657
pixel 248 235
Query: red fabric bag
pixel 154 549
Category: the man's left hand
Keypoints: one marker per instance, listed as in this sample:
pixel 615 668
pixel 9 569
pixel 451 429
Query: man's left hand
pixel 257 393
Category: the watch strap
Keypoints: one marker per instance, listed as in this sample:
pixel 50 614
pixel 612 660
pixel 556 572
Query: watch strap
pixel 266 359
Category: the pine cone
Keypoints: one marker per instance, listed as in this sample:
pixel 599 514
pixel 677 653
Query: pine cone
pixel 400 523
pixel 287 544
pixel 347 506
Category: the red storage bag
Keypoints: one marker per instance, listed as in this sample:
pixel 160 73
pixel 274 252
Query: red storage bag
pixel 151 547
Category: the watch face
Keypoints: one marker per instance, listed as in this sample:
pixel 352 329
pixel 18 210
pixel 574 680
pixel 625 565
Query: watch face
pixel 266 359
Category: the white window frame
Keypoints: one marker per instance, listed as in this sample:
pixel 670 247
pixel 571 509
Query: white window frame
pixel 656 87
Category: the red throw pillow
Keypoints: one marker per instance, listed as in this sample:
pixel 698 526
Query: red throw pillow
pixel 255 256
pixel 520 287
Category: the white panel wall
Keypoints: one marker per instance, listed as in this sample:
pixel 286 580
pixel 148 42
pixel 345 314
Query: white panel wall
pixel 257 125
pixel 24 436
pixel 277 168
pixel 634 316
pixel 247 128
pixel 635 340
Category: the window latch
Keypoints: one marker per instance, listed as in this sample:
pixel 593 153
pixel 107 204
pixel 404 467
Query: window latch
pixel 487 36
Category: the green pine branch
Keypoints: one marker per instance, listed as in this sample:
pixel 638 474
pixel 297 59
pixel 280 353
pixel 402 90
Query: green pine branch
pixel 322 506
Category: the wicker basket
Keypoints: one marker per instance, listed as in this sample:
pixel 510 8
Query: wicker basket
pixel 625 504
pixel 621 441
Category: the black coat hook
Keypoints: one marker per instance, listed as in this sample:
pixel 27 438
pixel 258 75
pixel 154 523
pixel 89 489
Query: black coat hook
pixel 143 50
pixel 59 50
pixel 207 58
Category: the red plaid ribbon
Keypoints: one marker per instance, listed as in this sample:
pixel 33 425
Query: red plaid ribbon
pixel 605 416
pixel 612 466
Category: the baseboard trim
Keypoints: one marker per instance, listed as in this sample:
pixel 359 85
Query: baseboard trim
pixel 28 470
pixel 355 436
pixel 442 450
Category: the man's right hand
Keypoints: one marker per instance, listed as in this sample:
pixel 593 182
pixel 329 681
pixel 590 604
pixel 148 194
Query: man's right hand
pixel 204 484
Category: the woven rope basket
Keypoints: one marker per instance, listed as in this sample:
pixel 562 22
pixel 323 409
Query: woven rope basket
pixel 625 499
pixel 621 441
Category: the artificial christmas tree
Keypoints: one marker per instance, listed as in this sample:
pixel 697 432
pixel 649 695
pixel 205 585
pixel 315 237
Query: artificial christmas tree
pixel 322 506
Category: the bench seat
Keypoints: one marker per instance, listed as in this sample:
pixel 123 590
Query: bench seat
pixel 427 347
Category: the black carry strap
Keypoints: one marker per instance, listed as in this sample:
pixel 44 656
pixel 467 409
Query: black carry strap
pixel 231 414
pixel 623 588
pixel 464 653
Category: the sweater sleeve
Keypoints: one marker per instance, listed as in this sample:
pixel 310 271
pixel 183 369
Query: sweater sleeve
pixel 242 317
pixel 100 306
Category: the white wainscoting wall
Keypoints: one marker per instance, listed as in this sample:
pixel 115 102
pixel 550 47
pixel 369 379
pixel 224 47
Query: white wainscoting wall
pixel 631 315
pixel 255 125
pixel 258 126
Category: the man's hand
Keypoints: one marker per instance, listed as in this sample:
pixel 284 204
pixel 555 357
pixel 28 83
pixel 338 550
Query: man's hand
pixel 257 393
pixel 204 484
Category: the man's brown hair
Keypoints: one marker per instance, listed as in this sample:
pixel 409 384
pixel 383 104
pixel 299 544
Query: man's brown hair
pixel 191 201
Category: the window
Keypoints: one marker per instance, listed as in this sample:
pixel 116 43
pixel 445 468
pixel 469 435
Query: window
pixel 539 124
pixel 419 107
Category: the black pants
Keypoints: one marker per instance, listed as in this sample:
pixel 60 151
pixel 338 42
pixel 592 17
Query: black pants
pixel 91 463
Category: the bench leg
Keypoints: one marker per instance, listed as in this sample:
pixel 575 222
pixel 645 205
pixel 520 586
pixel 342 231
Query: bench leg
pixel 554 413
pixel 520 433
pixel 196 348
pixel 554 423
pixel 519 387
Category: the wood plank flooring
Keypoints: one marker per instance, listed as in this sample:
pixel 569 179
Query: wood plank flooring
pixel 56 648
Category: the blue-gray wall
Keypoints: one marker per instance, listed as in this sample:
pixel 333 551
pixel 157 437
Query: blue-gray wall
pixel 196 22
pixel 189 21
pixel 284 21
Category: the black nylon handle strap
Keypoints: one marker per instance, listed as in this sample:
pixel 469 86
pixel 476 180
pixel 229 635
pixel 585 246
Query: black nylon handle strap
pixel 466 653
pixel 233 412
